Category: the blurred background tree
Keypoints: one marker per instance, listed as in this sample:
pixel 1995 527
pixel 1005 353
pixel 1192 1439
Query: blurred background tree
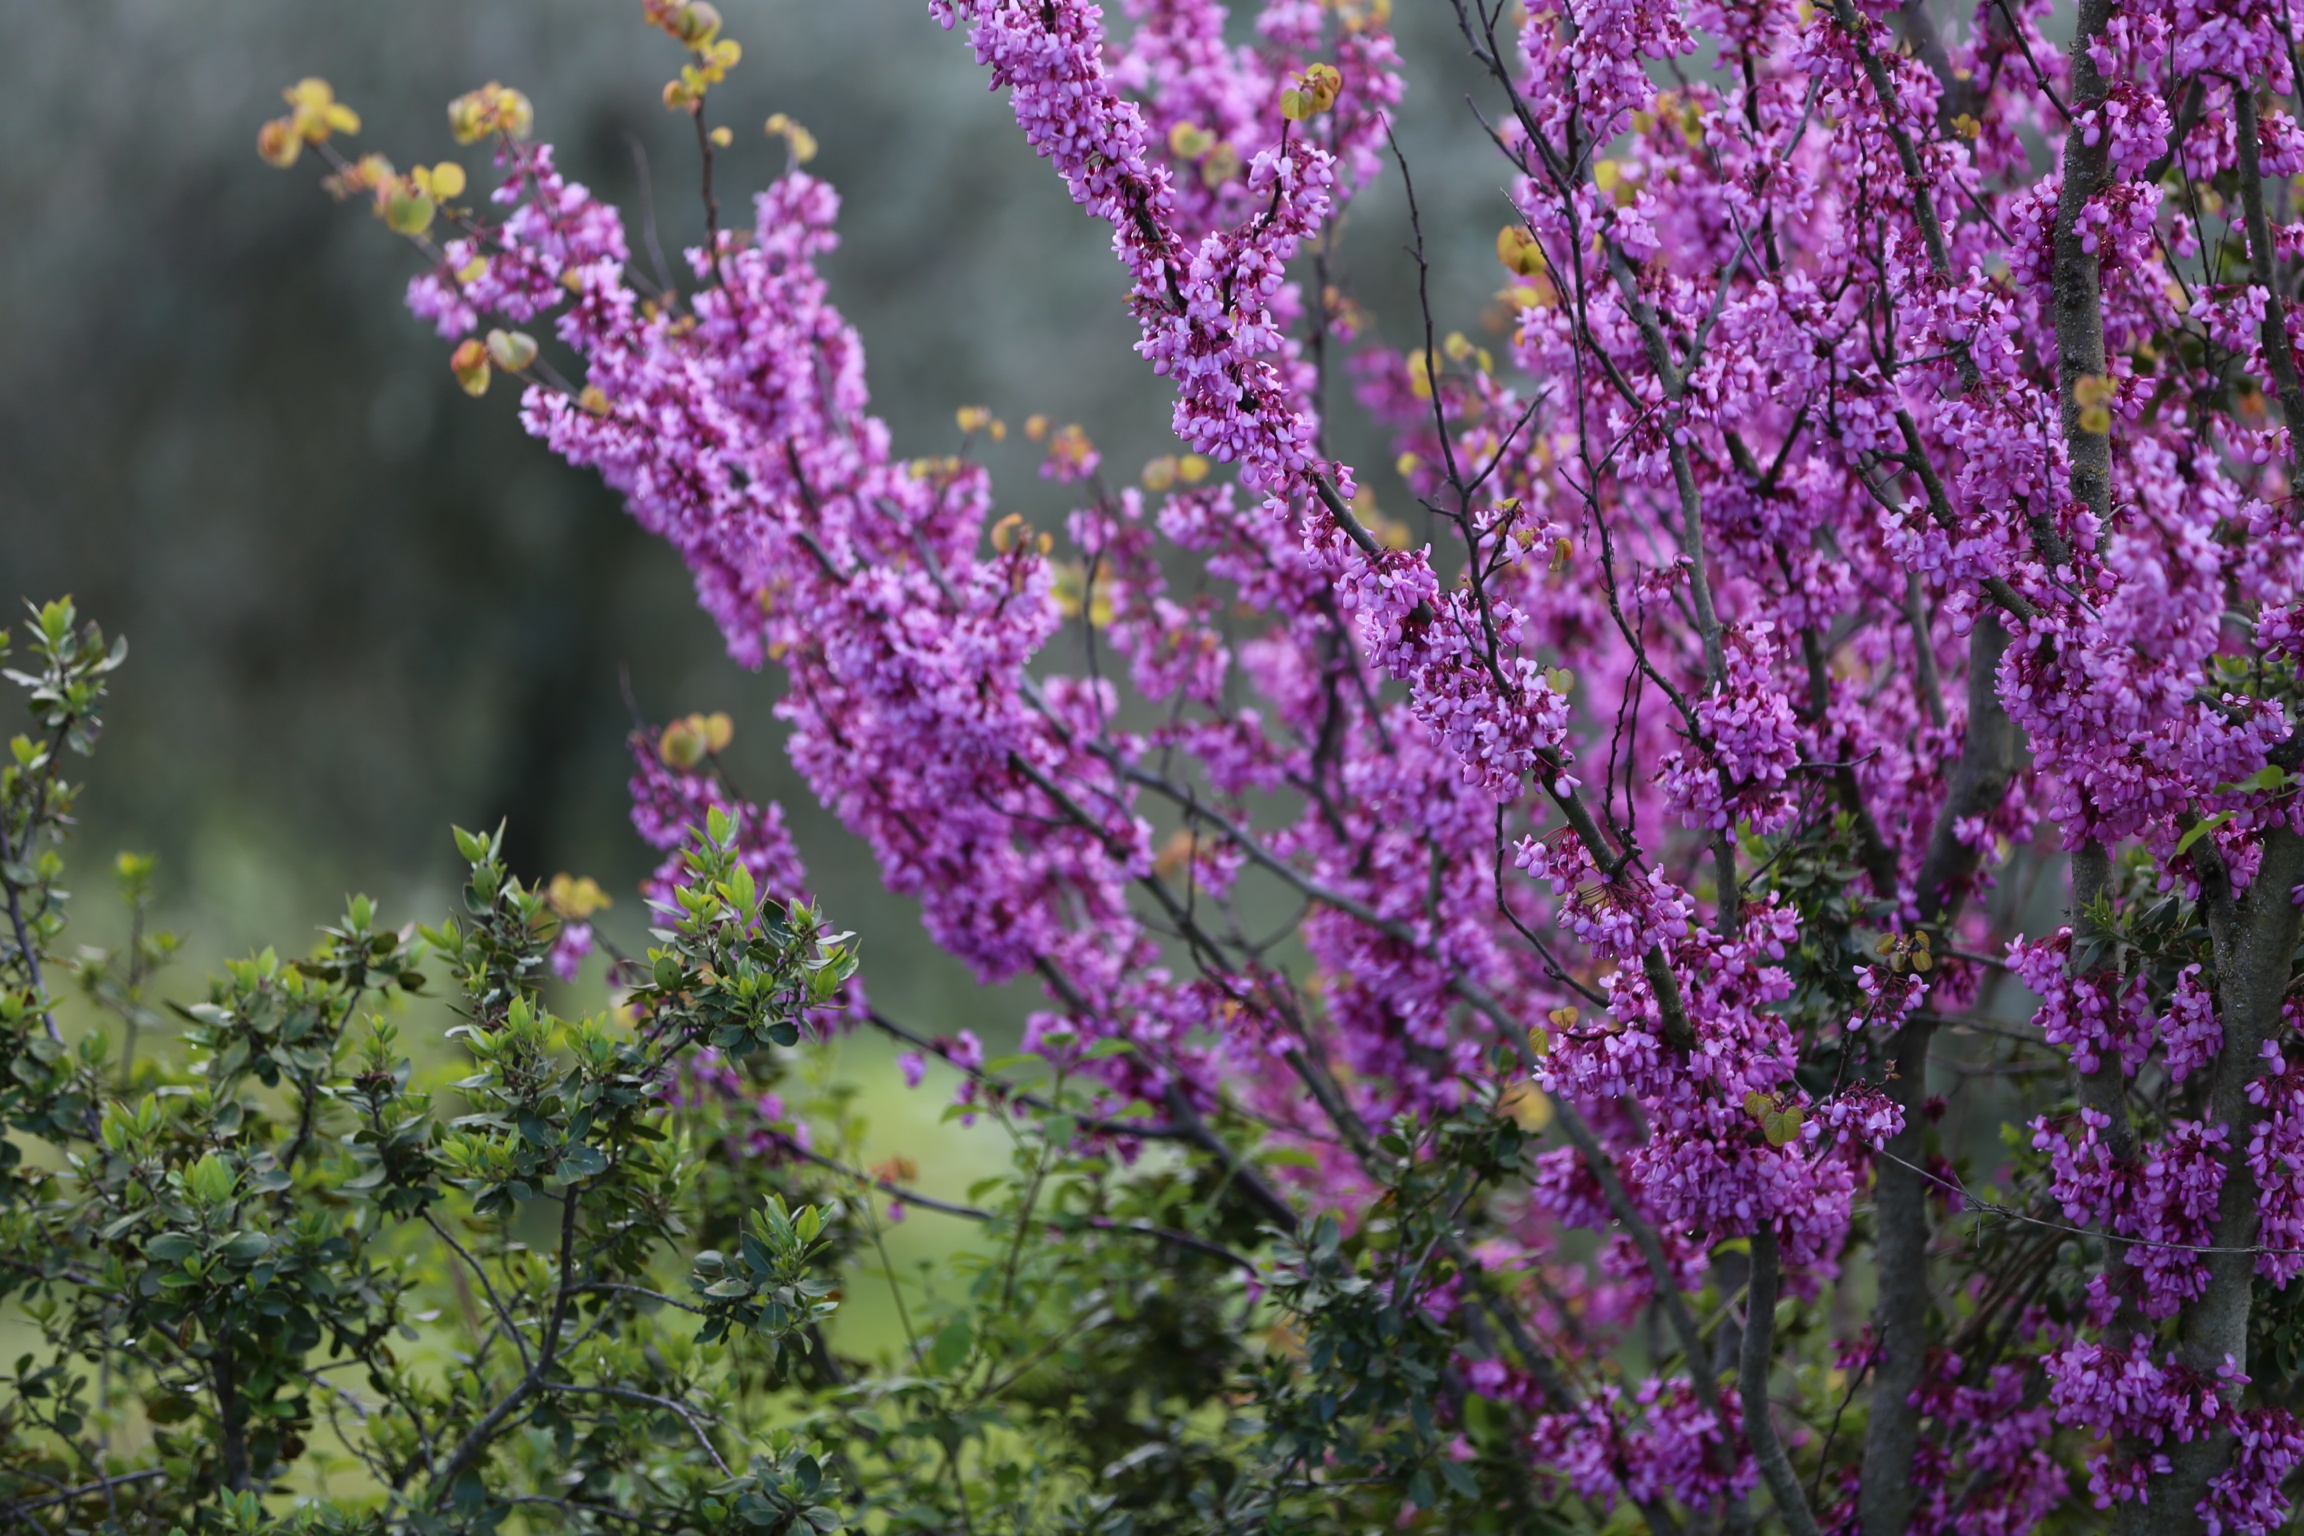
pixel 363 605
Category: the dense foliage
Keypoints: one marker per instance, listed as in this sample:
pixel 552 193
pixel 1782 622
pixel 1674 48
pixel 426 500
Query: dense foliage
pixel 270 1276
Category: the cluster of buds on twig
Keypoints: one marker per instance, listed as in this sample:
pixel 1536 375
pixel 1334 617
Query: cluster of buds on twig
pixel 491 109
pixel 695 26
pixel 1314 92
pixel 314 116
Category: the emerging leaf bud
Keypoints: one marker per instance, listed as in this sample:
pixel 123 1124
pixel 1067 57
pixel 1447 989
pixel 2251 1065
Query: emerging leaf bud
pixel 469 362
pixel 688 741
pixel 511 351
pixel 1419 364
pixel 493 108
pixel 1008 531
pixel 407 212
pixel 691 23
pixel 697 24
pixel 1190 141
pixel 801 141
pixel 1314 92
pixel 318 113
pixel 679 746
pixel 277 142
pixel 576 897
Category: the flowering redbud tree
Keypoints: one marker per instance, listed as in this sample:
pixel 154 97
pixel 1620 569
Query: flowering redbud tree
pixel 1874 532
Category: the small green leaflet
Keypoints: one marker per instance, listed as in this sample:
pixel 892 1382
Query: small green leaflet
pixel 2204 826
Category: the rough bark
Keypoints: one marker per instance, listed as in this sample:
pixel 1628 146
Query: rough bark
pixel 1901 1317
pixel 2252 980
pixel 1759 1422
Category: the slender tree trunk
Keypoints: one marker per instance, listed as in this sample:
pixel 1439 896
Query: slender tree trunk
pixel 231 1416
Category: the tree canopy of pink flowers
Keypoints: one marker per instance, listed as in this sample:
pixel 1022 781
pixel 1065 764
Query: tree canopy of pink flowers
pixel 1879 501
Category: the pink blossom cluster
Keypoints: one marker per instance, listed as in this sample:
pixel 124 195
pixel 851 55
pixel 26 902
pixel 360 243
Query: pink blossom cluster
pixel 1655 1442
pixel 2151 1405
pixel 1989 1468
pixel 1739 767
pixel 2165 1201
